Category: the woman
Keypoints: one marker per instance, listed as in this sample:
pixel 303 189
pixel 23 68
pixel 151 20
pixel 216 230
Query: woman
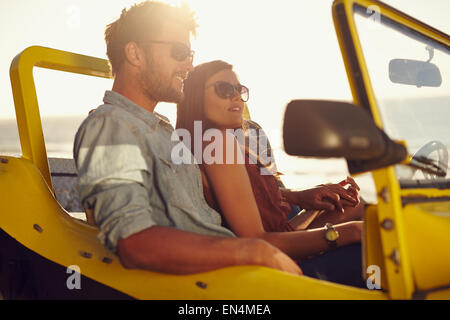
pixel 214 96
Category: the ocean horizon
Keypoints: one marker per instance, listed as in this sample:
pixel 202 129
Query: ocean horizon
pixel 297 172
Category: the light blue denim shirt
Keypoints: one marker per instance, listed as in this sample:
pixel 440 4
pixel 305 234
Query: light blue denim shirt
pixel 126 175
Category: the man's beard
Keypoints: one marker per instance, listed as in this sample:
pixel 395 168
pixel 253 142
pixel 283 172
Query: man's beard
pixel 156 87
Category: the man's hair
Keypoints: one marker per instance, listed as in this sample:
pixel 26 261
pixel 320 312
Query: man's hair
pixel 141 22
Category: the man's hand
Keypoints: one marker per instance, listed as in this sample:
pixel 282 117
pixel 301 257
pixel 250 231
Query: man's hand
pixel 169 250
pixel 263 253
pixel 329 197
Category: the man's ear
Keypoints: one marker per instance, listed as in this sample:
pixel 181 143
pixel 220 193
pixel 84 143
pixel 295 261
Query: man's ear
pixel 134 54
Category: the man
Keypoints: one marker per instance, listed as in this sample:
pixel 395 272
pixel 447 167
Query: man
pixel 150 211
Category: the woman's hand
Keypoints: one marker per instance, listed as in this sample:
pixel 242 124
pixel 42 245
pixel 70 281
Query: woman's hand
pixel 329 197
pixel 349 232
pixel 351 187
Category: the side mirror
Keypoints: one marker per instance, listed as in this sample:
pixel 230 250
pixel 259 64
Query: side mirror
pixel 317 128
pixel 414 72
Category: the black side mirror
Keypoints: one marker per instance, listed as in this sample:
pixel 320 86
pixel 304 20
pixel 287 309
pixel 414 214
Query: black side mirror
pixel 318 128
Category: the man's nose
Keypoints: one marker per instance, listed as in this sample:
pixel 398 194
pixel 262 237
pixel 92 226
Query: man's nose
pixel 188 66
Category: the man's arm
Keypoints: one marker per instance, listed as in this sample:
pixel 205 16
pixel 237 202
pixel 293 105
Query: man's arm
pixel 113 175
pixel 168 250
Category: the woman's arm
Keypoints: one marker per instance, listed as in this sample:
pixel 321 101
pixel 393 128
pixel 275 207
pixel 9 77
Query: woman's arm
pixel 231 185
pixel 232 188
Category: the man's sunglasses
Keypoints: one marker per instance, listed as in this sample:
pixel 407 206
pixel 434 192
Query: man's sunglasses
pixel 179 51
pixel 225 90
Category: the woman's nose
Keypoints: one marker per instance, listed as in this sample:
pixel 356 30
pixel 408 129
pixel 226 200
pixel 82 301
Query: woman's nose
pixel 236 95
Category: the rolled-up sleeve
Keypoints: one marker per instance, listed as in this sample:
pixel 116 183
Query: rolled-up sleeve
pixel 112 175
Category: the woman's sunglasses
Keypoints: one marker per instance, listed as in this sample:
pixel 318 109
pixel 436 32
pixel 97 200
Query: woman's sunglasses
pixel 179 51
pixel 225 90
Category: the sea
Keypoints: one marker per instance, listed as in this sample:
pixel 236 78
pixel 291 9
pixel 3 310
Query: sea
pixel 406 120
pixel 297 172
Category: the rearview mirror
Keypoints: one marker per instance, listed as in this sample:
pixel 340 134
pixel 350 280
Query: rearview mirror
pixel 414 72
pixel 316 128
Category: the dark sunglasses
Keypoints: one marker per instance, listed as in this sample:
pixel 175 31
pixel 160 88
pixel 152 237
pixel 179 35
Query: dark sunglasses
pixel 179 51
pixel 225 90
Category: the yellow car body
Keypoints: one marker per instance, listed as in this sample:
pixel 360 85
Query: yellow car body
pixel 412 253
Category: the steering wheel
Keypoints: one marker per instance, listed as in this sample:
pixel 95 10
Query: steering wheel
pixel 442 156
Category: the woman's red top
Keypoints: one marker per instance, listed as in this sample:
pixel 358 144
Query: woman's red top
pixel 272 208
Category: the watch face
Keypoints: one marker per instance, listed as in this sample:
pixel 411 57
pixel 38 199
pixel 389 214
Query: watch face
pixel 331 235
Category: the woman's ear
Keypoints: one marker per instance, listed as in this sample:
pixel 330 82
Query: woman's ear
pixel 134 54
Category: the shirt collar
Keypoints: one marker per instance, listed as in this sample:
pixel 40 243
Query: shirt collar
pixel 152 118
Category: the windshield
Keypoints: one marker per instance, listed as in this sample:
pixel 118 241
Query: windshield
pixel 410 76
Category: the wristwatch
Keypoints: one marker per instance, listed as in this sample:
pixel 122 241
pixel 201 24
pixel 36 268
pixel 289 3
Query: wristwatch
pixel 331 235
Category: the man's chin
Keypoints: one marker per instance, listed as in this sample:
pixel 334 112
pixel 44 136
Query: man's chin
pixel 173 97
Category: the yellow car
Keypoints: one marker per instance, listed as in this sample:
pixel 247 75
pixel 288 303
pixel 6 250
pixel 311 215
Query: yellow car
pixel 399 72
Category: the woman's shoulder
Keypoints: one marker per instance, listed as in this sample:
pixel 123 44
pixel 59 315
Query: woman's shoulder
pixel 223 149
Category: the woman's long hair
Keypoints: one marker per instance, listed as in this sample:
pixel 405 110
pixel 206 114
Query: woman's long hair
pixel 192 108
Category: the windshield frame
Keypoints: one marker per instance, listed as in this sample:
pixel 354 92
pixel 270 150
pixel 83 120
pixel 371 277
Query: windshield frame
pixel 344 12
pixel 412 34
pixel 391 242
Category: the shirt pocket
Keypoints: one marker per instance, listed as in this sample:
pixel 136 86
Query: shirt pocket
pixel 172 183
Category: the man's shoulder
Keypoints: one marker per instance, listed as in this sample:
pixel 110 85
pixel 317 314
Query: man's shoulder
pixel 107 117
pixel 106 112
pixel 103 125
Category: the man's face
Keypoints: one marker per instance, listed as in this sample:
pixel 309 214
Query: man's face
pixel 162 77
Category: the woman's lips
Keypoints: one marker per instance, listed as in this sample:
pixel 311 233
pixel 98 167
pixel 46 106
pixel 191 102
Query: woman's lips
pixel 235 108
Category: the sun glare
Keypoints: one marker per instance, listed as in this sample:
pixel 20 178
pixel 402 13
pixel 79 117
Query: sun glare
pixel 281 50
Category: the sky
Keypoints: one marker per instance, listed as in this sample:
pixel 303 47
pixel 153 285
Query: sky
pixel 281 50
